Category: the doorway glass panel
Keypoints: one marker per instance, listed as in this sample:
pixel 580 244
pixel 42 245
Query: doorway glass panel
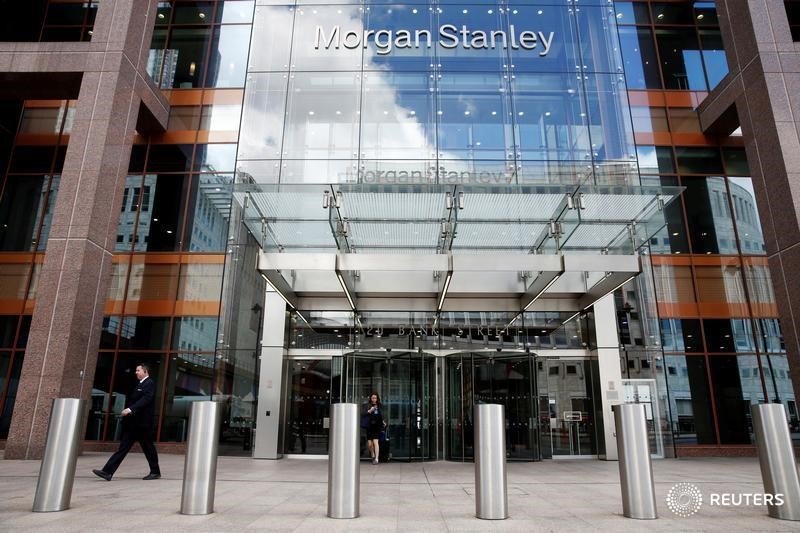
pixel 506 378
pixel 404 380
pixel 567 406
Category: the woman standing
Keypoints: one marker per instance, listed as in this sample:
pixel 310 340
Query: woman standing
pixel 374 425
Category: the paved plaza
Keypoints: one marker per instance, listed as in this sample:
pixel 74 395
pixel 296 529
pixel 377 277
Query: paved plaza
pixel 290 495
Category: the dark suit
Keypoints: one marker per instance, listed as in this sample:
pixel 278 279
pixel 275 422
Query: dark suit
pixel 137 426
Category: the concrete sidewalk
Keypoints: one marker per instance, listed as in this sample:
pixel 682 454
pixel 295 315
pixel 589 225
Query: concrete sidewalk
pixel 290 495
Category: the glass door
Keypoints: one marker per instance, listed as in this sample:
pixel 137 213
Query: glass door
pixel 506 378
pixel 566 391
pixel 404 380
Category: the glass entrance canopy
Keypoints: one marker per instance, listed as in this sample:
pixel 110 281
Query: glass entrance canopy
pixel 423 242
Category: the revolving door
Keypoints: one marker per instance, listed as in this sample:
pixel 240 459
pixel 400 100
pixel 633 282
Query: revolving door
pixel 405 382
pixel 507 378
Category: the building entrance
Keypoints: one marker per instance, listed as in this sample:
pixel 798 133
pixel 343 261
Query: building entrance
pixel 405 382
pixel 504 377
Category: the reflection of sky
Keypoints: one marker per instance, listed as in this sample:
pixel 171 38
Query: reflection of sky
pixel 416 107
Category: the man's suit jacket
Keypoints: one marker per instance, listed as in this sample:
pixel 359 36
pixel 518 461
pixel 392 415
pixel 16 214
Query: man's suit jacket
pixel 140 401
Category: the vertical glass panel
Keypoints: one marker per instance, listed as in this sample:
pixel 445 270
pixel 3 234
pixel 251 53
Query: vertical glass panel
pixel 215 158
pixel 314 129
pixel 632 13
pixel 681 335
pixel 729 335
pixel 169 157
pixel 770 336
pixel 698 160
pixel 161 214
pixel 185 58
pixel 680 58
pixel 472 113
pixel 734 394
pixel 263 116
pixel 673 285
pixel 649 119
pixel 478 54
pixel 193 13
pixel 20 205
pixel 144 333
pixel 690 400
pixel 195 334
pixel 101 396
pixel 610 128
pixel 759 286
pixel 401 38
pixel 8 330
pixel 44 120
pixel 11 395
pixel 221 118
pixel 673 238
pixel 655 159
pixel 110 332
pixel 781 390
pixel 45 211
pixel 234 12
pixel 562 49
pixel 713 56
pixel 397 119
pixel 748 223
pixel 598 39
pixel 550 119
pixel 705 13
pixel 639 58
pixel 272 28
pixel 684 120
pixel 189 379
pixel 152 282
pixel 720 289
pixel 200 282
pixel 337 45
pixel 157 55
pixel 227 62
pixel 123 383
pixel 308 418
pixel 207 230
pixel 674 13
pixel 735 162
pixel 184 118
pixel 708 208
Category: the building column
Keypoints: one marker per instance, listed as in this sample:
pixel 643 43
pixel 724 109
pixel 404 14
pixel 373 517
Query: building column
pixel 270 377
pixel 608 363
pixel 761 94
pixel 72 287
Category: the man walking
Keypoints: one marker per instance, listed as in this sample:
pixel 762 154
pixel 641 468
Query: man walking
pixel 137 425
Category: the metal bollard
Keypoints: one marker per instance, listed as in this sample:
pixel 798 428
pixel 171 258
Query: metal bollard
pixel 343 462
pixel 200 465
pixel 491 498
pixel 635 466
pixel 776 457
pixel 57 473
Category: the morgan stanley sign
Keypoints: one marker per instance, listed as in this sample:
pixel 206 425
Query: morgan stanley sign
pixel 449 36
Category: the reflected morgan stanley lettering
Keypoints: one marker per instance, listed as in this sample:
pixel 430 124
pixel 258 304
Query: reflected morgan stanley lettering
pixel 449 37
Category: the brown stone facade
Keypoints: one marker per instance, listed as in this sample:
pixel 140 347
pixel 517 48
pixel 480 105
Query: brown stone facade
pixel 761 94
pixel 115 98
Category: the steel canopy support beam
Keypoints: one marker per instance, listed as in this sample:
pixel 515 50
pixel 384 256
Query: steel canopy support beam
pixel 541 283
pixel 611 282
pixel 448 277
pixel 346 281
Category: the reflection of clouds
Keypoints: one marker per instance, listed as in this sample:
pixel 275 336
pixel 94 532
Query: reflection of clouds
pixel 389 129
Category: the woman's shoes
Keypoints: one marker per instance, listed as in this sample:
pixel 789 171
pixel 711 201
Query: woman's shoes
pixel 374 460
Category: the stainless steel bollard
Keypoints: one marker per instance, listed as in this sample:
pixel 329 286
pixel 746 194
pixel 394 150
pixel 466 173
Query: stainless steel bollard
pixel 635 466
pixel 343 462
pixel 200 465
pixel 776 456
pixel 491 498
pixel 57 473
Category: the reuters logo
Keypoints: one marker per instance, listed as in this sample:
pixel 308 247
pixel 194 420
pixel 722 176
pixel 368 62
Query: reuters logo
pixel 684 499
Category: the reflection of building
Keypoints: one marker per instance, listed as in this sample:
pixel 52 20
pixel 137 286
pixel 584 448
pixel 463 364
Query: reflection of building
pixel 447 225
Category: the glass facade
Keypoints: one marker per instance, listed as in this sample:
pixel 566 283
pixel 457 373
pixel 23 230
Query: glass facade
pixel 395 106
